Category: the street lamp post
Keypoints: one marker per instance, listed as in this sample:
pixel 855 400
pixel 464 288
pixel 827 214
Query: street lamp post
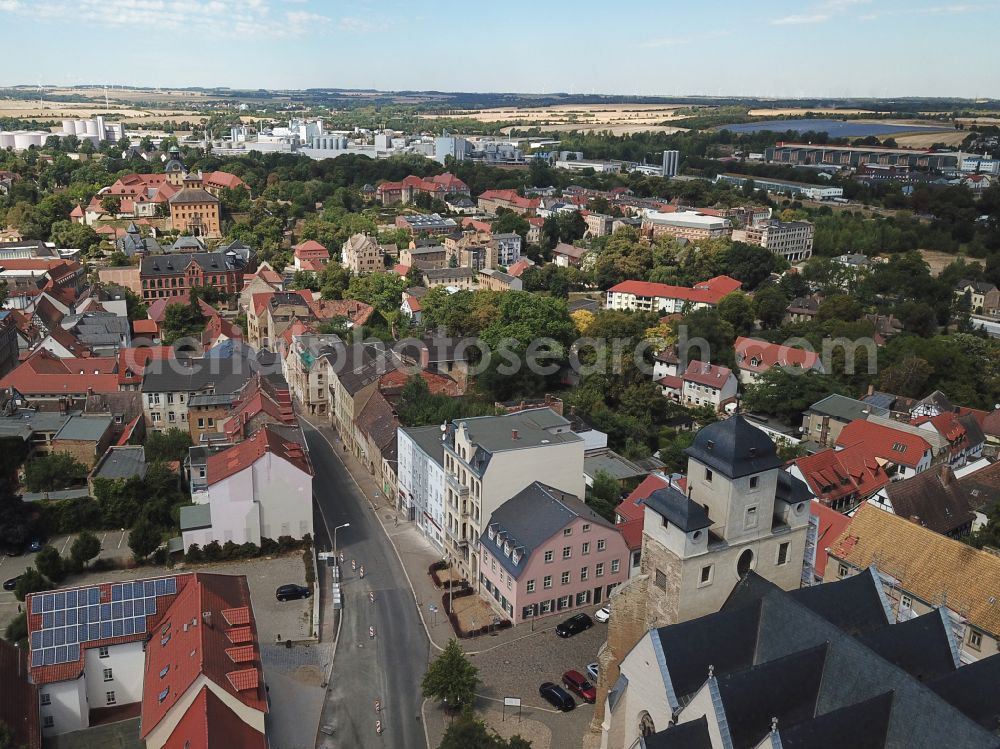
pixel 345 525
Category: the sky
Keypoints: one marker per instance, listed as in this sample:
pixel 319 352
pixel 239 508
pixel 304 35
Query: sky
pixel 781 48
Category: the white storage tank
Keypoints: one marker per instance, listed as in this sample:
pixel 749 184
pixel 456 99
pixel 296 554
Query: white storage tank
pixel 91 127
pixel 6 139
pixel 68 127
pixel 22 140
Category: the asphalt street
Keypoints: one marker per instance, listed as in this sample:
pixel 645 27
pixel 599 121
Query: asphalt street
pixel 388 667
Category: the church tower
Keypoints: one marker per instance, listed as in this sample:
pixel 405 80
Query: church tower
pixel 738 512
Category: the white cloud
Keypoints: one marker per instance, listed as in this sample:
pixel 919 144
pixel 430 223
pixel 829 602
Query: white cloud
pixel 358 25
pixel 204 18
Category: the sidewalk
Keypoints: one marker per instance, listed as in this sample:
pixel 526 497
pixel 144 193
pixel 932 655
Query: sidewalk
pixel 417 554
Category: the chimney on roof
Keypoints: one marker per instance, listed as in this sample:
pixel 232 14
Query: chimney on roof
pixel 915 519
pixel 206 616
pixel 946 476
pixel 871 389
pixel 513 434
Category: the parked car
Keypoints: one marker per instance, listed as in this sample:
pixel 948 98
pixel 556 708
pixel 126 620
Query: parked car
pixel 574 625
pixel 592 671
pixel 11 583
pixel 556 696
pixel 36 545
pixel 577 683
pixel 292 592
pixel 603 614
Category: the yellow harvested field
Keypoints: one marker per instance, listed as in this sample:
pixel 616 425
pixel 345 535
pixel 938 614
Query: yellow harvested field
pixel 937 260
pixel 926 140
pixel 574 114
pixel 799 111
pixel 613 129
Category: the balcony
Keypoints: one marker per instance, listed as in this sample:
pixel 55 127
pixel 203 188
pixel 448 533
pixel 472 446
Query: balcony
pixel 456 486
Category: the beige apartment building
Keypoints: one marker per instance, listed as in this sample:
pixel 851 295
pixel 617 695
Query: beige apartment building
pixel 489 459
pixel 361 254
pixel 195 211
pixel 792 240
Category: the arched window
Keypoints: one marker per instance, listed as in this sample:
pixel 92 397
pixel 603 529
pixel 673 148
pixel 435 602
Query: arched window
pixel 646 727
pixel 745 563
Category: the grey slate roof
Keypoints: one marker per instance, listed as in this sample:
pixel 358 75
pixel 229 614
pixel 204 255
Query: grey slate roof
pixel 677 508
pixel 691 735
pixel 194 517
pixel 610 462
pixel 922 646
pixel 845 409
pixel 973 690
pixel 192 195
pixel 429 440
pixel 534 427
pixel 218 375
pixel 85 428
pixel 860 726
pixel 24 423
pixel 529 519
pixel 936 497
pixel 734 448
pixel 121 463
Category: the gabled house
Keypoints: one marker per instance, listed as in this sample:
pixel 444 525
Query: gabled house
pixel 921 571
pixel 259 488
pixel 711 385
pixel 754 357
pixel 310 255
pixel 933 499
pixel 544 551
pixel 841 479
pixel 964 435
pixel 901 453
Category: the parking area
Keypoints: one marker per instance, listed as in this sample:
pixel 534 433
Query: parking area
pixel 518 668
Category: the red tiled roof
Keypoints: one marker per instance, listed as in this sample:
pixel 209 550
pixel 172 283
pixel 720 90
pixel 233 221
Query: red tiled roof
pixel 355 311
pixel 631 531
pixel 401 270
pixel 412 303
pixel 239 635
pixel 77 212
pixel 517 269
pixel 311 249
pixel 570 250
pixel 472 223
pixel 438 384
pixel 209 723
pixel 707 292
pixel 511 197
pixel 192 642
pixel 231 461
pixel 45 374
pixel 241 653
pixel 240 615
pixel 884 442
pixel 771 354
pixel 831 525
pixel 670 382
pixel 132 361
pixel 713 375
pixel 222 179
pixel 630 508
pixel 835 474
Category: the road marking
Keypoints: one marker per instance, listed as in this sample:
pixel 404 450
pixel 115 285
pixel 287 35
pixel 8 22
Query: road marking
pixel 120 540
pixel 65 544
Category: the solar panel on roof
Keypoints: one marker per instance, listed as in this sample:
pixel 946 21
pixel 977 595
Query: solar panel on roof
pixel 36 604
pixel 116 611
pixel 161 587
pixel 81 633
pixel 61 654
pixel 47 602
pixel 70 598
pixel 116 592
pixel 36 657
pixel 60 618
pixel 71 615
pixel 140 625
pixel 171 585
pixel 48 656
pixel 129 625
pixel 71 635
pixel 73 653
pixel 105 612
pixel 105 630
pixel 60 601
pixel 95 632
pixel 150 588
pixel 36 640
pixel 48 620
pixel 94 595
pixel 59 636
pixel 94 613
pixel 118 627
pixel 47 638
pixel 128 608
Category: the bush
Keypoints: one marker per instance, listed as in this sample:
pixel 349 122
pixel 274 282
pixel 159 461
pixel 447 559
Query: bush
pixel 194 554
pixel 85 547
pixel 212 551
pixel 144 539
pixel 50 564
pixel 268 546
pixel 307 561
pixel 17 630
pixel 230 550
pixel 55 471
pixel 31 581
pixel 286 543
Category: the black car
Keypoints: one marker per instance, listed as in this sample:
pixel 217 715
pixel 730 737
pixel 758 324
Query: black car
pixel 556 696
pixel 12 583
pixel 292 592
pixel 574 625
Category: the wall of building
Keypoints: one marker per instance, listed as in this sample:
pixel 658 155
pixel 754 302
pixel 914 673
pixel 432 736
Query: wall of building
pixel 645 693
pixel 67 706
pixel 127 664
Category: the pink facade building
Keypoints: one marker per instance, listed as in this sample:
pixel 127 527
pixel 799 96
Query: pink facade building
pixel 545 551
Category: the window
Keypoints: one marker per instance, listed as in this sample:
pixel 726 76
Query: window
pixel 750 521
pixel 582 598
pixel 567 531
pixel 586 527
pixel 48 721
pixel 546 607
pixel 548 556
pixel 211 422
pixel 754 480
pixel 842 570
pixel 164 671
pixel 615 566
pixel 906 602
pixel 110 696
pixel 171 416
pixel 599 569
pixel 547 582
pixel 46 698
pixel 783 553
pixel 567 552
pixel 975 639
pixel 584 572
pixel 163 695
pixel 530 587
pixel 564 579
pixel 108 676
pixel 509 582
pixel 659 580
pixel 201 423
pixel 601 543
pixel 708 475
pixel 102 652
pixel 706 575
pixel 586 547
